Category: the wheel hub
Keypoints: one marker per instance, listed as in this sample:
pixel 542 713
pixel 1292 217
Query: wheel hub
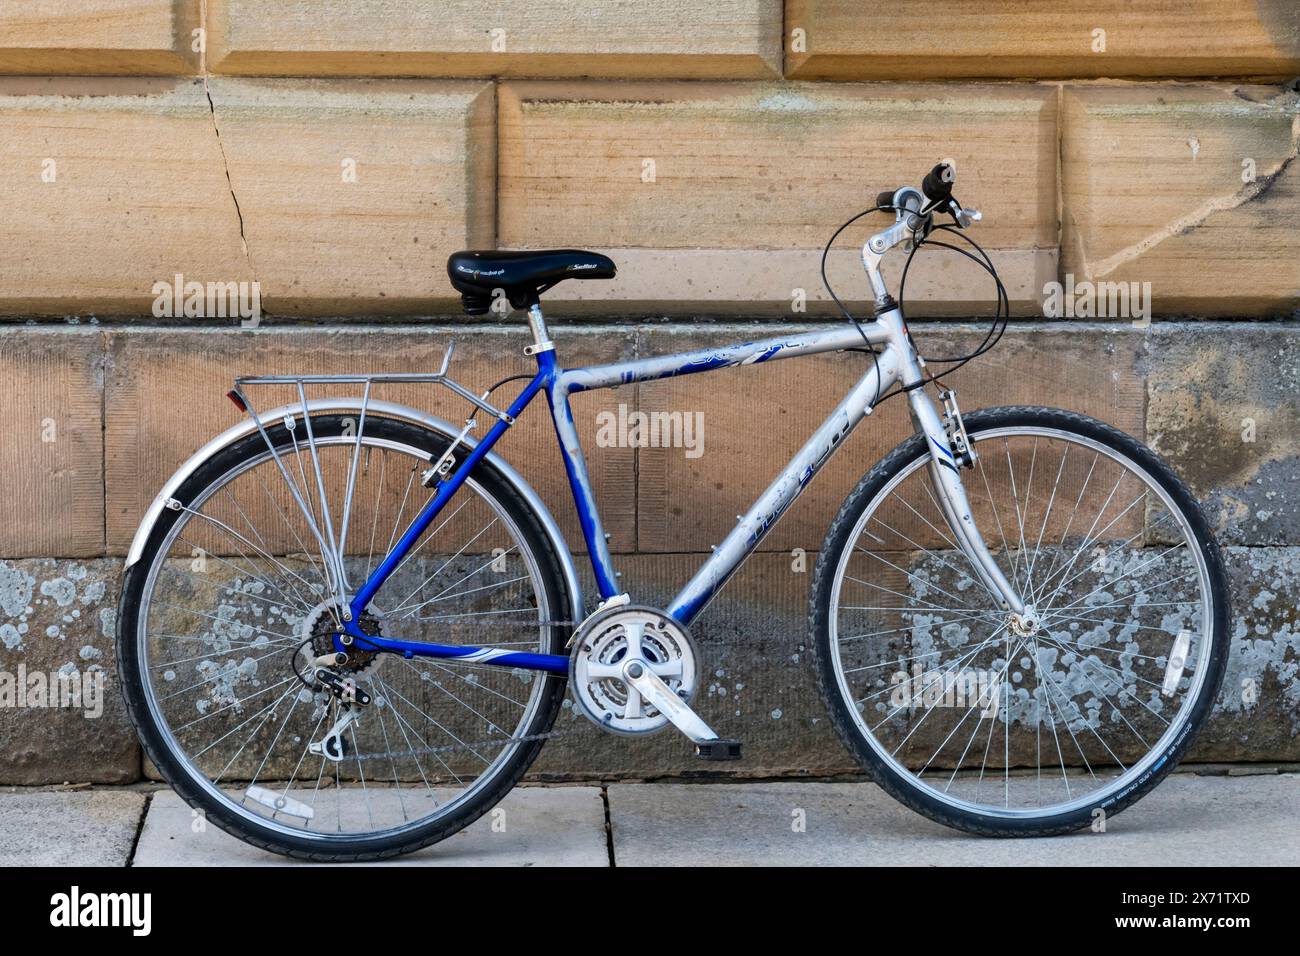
pixel 1027 624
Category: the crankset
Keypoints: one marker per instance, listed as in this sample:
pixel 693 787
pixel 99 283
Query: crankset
pixel 633 670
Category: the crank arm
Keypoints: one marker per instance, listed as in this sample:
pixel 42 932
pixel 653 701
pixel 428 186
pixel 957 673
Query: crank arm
pixel 661 696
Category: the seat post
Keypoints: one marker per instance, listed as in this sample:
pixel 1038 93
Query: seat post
pixel 541 338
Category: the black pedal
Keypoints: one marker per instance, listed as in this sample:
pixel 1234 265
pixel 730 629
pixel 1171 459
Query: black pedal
pixel 718 750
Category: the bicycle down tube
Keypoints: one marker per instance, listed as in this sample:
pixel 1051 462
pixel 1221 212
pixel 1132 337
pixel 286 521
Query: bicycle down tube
pixel 895 363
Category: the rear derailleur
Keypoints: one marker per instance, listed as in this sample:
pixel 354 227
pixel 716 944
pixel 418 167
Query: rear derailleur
pixel 351 697
pixel 323 669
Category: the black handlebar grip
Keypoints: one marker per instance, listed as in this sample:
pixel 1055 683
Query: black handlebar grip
pixel 937 184
pixel 885 199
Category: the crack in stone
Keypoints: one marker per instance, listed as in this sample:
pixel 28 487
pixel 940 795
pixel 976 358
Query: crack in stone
pixel 221 147
pixel 230 185
pixel 1186 223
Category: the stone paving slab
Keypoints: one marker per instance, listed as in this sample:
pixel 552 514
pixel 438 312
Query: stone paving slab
pixel 1187 820
pixel 68 828
pixel 543 826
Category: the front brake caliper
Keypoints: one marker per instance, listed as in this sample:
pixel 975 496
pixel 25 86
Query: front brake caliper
pixel 962 450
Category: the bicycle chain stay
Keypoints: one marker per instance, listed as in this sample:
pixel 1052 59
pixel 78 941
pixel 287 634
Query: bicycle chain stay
pixel 474 745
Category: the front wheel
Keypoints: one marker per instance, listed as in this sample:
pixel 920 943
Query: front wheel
pixel 1042 724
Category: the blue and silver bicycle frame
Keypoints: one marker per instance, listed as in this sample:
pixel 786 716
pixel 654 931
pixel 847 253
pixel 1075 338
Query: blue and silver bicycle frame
pixel 897 363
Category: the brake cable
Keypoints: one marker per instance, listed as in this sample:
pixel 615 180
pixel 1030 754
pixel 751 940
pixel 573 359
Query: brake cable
pixel 1002 313
pixel 871 349
pixel 997 326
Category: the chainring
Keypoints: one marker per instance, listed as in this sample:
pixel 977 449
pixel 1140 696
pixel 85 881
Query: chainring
pixel 600 647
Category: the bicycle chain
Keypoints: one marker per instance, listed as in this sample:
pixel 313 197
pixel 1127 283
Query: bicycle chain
pixel 475 745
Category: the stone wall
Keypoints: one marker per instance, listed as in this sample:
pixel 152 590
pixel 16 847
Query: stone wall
pixel 335 151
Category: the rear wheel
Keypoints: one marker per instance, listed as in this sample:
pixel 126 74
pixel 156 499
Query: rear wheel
pixel 1010 726
pixel 232 599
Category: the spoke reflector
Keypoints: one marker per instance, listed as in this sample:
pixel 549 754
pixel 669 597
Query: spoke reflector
pixel 279 802
pixel 1177 661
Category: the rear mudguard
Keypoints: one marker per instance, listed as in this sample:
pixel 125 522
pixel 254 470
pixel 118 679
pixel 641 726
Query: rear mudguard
pixel 375 409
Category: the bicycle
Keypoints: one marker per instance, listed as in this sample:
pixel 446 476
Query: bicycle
pixel 1018 616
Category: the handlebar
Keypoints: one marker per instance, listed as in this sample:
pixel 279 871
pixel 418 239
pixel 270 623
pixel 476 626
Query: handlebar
pixel 914 211
pixel 936 190
pixel 937 185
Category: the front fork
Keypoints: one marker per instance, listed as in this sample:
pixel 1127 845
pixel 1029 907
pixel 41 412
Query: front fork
pixel 945 473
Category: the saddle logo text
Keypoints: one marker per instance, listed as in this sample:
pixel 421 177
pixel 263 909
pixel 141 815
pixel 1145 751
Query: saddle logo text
pixel 76 909
pixel 624 429
pixel 208 300
pixel 944 687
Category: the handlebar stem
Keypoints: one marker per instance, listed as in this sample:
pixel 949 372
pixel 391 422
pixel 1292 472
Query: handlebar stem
pixel 874 250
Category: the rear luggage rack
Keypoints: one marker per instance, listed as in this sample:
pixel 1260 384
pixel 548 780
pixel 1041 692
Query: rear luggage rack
pixel 332 543
pixel 439 377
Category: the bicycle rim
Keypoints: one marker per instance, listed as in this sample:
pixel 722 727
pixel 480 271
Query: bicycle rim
pixel 228 599
pixel 958 706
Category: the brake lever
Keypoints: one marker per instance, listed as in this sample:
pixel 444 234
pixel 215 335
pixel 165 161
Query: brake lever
pixel 964 218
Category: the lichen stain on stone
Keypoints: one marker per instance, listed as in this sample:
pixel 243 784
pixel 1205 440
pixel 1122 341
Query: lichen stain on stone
pixel 45 600
pixel 1230 432
pixel 1199 421
pixel 786 102
pixel 1093 662
pixel 60 590
pixel 15 590
pixel 1265 634
pixel 10 636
